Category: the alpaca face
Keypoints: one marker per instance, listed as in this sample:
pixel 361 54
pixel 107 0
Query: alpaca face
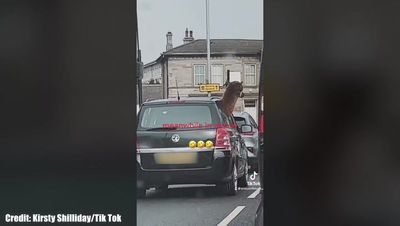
pixel 236 88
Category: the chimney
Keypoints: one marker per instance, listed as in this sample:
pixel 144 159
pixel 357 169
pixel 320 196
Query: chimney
pixel 188 38
pixel 169 41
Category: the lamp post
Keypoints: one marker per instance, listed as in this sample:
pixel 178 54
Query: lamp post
pixel 208 43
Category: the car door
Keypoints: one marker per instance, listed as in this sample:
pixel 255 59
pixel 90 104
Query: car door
pixel 242 157
pixel 253 124
pixel 255 134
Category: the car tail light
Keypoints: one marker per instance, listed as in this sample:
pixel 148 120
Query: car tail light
pixel 261 129
pixel 222 139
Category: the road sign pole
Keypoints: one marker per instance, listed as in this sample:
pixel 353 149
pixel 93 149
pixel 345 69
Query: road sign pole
pixel 208 43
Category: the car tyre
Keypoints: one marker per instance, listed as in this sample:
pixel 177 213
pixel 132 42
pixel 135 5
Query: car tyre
pixel 230 188
pixel 242 181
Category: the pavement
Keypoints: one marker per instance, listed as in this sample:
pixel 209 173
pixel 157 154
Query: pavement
pixel 197 205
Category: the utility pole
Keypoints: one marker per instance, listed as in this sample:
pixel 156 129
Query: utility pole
pixel 208 43
pixel 139 66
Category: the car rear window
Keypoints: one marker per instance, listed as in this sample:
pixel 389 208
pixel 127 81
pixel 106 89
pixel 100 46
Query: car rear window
pixel 182 115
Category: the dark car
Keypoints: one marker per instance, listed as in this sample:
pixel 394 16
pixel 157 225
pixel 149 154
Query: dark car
pixel 190 141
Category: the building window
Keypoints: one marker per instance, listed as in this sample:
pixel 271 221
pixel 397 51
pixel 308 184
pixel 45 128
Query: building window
pixel 199 74
pixel 250 74
pixel 217 74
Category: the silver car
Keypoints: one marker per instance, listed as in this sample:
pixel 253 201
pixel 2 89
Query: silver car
pixel 249 131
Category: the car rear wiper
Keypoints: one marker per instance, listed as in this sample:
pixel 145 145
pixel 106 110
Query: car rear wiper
pixel 162 128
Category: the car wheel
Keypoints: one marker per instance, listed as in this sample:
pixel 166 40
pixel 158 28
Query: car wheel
pixel 230 188
pixel 141 192
pixel 242 181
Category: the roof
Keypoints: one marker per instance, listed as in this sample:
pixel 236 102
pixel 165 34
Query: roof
pixel 240 114
pixel 150 63
pixel 218 46
pixel 183 99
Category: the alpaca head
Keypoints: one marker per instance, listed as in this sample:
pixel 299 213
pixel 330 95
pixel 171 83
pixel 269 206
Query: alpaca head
pixel 235 88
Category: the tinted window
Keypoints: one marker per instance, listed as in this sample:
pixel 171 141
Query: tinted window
pixel 232 122
pixel 225 119
pixel 253 123
pixel 240 121
pixel 163 115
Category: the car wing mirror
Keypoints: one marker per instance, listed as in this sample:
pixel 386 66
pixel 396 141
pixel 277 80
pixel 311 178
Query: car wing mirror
pixel 246 129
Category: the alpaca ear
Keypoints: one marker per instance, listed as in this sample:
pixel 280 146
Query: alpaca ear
pixel 241 82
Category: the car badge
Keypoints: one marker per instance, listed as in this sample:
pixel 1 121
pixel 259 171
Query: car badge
pixel 175 138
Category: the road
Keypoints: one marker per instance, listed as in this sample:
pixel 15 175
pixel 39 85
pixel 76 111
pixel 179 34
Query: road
pixel 197 205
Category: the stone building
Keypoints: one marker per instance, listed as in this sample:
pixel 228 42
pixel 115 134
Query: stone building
pixel 152 73
pixel 184 68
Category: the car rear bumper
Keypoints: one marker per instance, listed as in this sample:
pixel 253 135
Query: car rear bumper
pixel 219 171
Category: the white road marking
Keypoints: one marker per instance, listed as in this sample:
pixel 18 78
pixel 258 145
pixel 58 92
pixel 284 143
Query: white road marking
pixel 231 216
pixel 191 185
pixel 252 196
pixel 248 189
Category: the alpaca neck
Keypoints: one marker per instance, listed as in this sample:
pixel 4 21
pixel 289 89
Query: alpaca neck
pixel 229 104
pixel 229 100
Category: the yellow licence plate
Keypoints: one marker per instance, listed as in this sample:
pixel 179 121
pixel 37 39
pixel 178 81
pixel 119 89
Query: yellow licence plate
pixel 175 158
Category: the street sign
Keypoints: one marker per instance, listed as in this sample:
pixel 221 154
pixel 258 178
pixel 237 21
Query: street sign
pixel 211 87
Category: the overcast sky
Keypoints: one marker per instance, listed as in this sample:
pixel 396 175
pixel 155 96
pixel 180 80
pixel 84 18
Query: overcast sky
pixel 241 19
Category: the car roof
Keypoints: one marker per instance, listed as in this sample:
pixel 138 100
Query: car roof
pixel 183 100
pixel 240 114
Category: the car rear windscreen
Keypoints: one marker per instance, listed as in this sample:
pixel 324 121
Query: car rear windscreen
pixel 177 115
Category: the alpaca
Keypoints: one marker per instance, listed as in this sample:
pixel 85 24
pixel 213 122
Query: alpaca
pixel 233 91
